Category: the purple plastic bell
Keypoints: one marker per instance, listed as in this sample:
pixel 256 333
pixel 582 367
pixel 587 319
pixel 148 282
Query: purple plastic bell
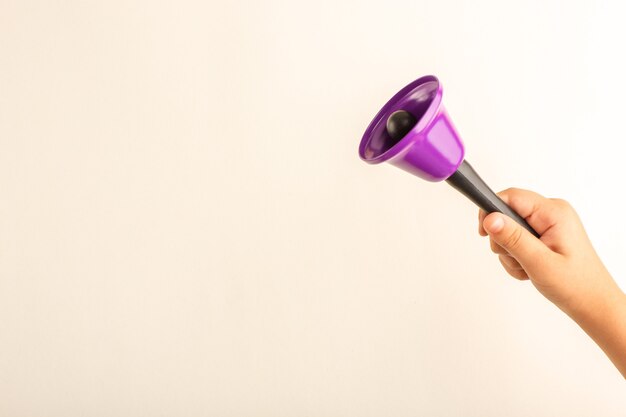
pixel 414 132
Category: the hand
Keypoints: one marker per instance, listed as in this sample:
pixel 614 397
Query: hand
pixel 562 264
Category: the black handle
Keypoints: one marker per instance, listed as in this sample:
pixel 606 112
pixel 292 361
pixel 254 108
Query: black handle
pixel 468 182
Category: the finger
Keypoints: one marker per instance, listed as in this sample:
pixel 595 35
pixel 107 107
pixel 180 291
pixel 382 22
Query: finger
pixel 515 273
pixel 510 262
pixel 524 202
pixel 530 252
pixel 533 207
pixel 496 248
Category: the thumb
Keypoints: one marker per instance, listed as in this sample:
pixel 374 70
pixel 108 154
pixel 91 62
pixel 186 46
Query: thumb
pixel 519 242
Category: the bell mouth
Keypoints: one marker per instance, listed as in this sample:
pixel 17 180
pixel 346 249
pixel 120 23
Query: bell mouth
pixel 421 99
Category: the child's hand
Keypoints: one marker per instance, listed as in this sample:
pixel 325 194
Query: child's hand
pixel 562 265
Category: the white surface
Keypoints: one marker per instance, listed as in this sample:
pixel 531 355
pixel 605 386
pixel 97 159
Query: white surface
pixel 186 228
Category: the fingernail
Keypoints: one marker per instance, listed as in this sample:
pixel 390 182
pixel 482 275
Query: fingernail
pixel 496 225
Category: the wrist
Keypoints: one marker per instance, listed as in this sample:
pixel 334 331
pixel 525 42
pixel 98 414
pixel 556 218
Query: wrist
pixel 605 322
pixel 598 306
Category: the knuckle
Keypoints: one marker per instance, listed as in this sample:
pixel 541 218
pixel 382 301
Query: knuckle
pixel 515 273
pixel 561 203
pixel 563 206
pixel 514 239
pixel 507 192
pixel 520 275
pixel 510 262
pixel 513 196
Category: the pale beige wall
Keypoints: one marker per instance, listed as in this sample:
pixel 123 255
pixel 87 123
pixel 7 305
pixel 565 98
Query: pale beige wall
pixel 186 228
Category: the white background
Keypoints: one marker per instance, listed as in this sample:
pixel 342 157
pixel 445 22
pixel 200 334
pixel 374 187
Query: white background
pixel 186 228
